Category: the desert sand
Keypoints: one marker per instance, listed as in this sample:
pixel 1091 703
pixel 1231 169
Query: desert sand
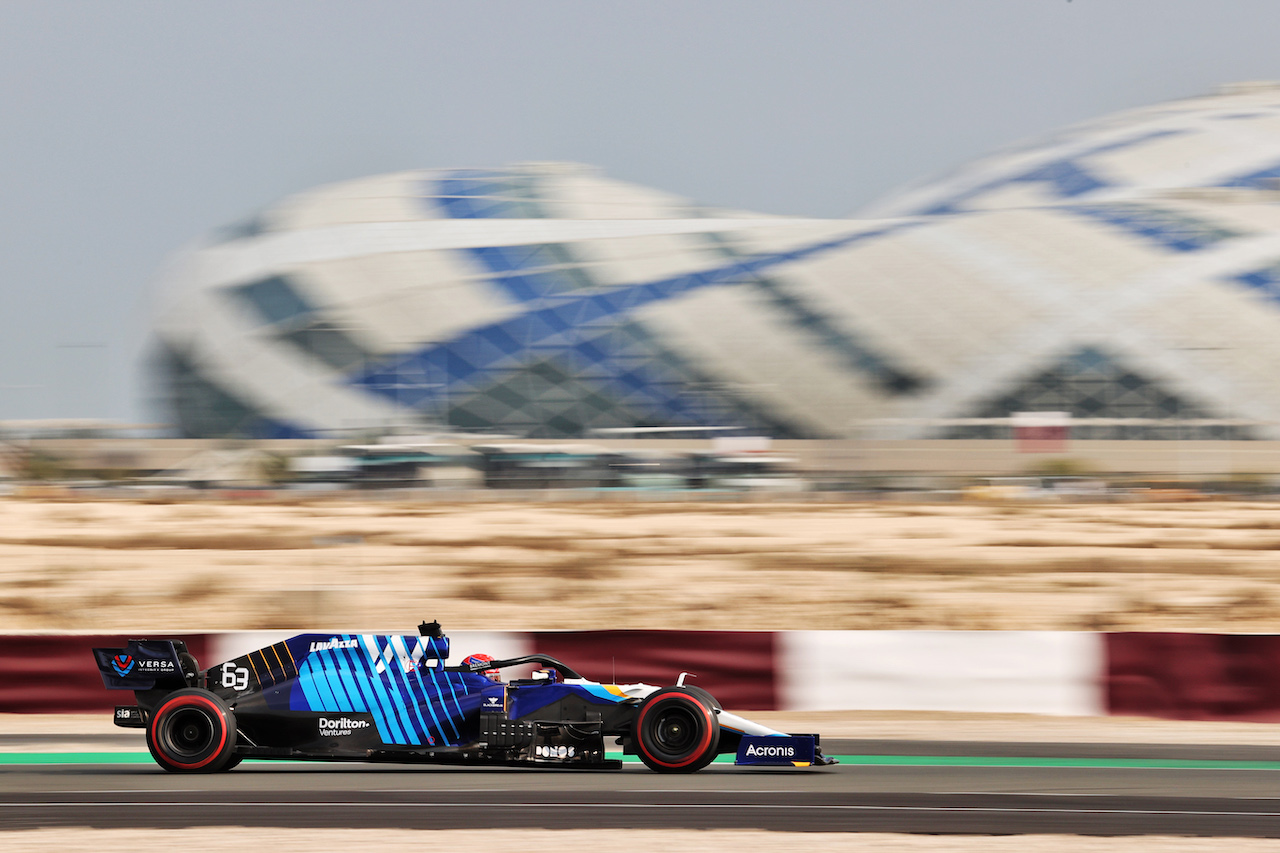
pixel 603 840
pixel 573 564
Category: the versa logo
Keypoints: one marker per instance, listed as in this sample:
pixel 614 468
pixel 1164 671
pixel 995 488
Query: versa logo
pixel 155 665
pixel 122 664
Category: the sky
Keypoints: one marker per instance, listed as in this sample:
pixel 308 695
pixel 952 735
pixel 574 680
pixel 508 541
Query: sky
pixel 130 128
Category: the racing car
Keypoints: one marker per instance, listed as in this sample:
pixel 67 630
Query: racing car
pixel 393 698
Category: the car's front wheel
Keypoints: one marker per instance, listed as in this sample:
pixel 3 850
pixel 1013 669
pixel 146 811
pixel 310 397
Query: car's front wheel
pixel 676 731
pixel 192 731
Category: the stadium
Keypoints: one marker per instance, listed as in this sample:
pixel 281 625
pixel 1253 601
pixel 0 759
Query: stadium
pixel 1125 272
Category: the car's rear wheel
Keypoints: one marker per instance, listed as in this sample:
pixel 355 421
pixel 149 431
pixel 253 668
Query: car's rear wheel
pixel 676 731
pixel 192 731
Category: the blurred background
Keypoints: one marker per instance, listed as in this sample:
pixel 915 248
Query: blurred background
pixel 828 316
pixel 1012 247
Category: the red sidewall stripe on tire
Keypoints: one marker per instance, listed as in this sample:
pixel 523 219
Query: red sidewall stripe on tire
pixel 182 701
pixel 706 740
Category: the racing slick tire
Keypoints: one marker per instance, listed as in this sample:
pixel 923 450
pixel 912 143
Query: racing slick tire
pixel 676 731
pixel 192 731
pixel 712 702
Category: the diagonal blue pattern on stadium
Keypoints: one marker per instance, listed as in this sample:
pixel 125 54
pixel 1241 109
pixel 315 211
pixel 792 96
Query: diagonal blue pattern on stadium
pixel 1175 231
pixel 1259 179
pixel 844 343
pixel 1265 281
pixel 1066 177
pixel 568 321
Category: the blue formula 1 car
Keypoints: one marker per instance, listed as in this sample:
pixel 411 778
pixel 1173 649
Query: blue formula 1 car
pixel 374 697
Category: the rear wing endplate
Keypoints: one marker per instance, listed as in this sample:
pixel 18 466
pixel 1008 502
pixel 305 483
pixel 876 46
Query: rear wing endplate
pixel 141 664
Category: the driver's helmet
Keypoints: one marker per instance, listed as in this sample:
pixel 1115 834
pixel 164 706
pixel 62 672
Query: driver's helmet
pixel 491 674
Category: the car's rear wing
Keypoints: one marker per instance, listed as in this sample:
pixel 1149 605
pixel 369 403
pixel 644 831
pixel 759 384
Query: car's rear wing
pixel 142 664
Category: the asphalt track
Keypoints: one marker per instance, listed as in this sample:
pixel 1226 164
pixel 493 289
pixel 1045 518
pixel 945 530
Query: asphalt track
pixel 920 787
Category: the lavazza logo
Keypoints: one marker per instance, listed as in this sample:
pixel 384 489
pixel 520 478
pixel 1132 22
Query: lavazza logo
pixel 757 751
pixel 335 643
pixel 340 726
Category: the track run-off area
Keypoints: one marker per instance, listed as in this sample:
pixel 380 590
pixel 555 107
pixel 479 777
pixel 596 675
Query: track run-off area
pixel 879 786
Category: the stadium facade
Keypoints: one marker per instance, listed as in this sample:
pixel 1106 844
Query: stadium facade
pixel 1126 271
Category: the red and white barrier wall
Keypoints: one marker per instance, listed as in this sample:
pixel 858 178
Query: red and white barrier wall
pixel 1182 676
pixel 51 674
pixel 1025 672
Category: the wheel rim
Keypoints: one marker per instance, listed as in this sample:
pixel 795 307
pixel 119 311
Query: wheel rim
pixel 675 730
pixel 189 733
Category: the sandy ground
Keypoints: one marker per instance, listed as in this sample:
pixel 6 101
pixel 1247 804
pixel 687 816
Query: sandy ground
pixel 605 841
pixel 381 565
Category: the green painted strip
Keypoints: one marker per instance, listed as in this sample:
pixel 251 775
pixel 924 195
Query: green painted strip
pixel 859 760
